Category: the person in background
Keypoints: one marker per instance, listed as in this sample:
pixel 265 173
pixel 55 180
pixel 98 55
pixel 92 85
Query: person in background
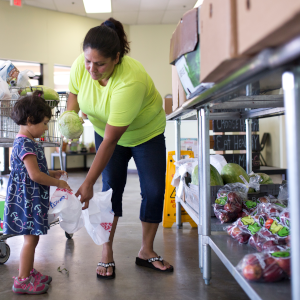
pixel 27 197
pixel 125 108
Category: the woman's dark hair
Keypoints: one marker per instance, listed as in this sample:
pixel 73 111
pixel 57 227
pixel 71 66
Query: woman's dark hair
pixel 33 107
pixel 109 38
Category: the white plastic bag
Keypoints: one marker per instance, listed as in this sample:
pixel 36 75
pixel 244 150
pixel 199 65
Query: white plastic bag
pixel 8 71
pixel 23 78
pixel 98 218
pixel 4 91
pixel 218 161
pixel 68 208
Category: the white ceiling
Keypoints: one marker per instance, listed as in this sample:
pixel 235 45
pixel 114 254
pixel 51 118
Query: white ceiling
pixel 132 12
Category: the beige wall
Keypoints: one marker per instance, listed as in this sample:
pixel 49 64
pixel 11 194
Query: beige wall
pixel 53 38
pixel 150 44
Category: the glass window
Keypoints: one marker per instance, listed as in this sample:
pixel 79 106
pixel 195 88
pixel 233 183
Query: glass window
pixel 61 78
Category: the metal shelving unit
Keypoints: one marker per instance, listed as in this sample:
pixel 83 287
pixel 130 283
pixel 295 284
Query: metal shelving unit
pixel 285 61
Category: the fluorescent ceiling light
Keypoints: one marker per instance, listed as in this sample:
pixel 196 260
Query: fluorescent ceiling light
pixel 198 3
pixel 97 6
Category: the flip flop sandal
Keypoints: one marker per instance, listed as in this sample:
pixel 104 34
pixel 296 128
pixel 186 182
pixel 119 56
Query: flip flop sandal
pixel 111 264
pixel 148 263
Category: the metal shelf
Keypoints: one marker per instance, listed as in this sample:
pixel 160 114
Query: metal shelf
pixel 230 253
pixel 284 61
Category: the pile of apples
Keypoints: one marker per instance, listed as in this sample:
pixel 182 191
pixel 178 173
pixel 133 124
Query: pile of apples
pixel 266 267
pixel 228 206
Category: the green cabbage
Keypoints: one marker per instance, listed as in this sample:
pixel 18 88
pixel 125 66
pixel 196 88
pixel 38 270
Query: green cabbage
pixel 69 125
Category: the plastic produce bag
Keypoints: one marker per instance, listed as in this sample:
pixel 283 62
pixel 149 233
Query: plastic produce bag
pixel 283 193
pixel 4 91
pixel 218 161
pixel 23 78
pixel 261 267
pixel 8 71
pixel 183 167
pixel 229 201
pixel 98 218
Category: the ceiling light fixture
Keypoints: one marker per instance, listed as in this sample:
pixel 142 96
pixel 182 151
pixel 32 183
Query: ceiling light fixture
pixel 198 3
pixel 97 6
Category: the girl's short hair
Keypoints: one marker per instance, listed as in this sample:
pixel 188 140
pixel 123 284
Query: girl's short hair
pixel 33 107
pixel 109 38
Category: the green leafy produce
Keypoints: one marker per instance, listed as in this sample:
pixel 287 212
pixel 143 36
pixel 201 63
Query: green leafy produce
pixel 193 64
pixel 69 125
pixel 266 178
pixel 49 94
pixel 215 177
pixel 231 173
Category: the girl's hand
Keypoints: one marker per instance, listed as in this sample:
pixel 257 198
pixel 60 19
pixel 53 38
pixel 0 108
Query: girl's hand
pixel 57 174
pixel 63 185
pixel 86 192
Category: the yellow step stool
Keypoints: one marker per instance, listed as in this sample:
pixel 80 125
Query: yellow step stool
pixel 169 215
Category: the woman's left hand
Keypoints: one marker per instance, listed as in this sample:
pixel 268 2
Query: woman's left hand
pixel 57 174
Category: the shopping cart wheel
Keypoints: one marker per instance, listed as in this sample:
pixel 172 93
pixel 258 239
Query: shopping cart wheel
pixel 68 235
pixel 4 257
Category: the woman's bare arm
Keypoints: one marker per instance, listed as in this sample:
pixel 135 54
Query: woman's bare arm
pixel 72 103
pixel 111 137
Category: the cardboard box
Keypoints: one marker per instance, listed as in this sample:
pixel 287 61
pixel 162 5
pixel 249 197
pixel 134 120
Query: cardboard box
pixel 178 93
pixel 219 45
pixel 167 104
pixel 185 53
pixel 175 89
pixel 266 23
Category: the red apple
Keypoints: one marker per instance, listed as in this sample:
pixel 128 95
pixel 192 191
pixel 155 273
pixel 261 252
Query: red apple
pixel 252 272
pixel 285 264
pixel 272 273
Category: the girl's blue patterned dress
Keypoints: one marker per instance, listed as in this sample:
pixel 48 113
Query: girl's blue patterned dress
pixel 27 202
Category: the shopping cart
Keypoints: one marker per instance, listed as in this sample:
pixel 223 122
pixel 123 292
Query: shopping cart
pixel 51 138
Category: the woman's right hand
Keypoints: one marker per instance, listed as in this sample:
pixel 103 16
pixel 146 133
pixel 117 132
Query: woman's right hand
pixel 63 185
pixel 86 192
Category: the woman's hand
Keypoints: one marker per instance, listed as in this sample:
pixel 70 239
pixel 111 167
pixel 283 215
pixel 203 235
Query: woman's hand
pixel 57 174
pixel 86 192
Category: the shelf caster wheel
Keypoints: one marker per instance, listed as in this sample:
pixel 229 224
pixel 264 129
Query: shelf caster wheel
pixel 68 235
pixel 206 281
pixel 4 253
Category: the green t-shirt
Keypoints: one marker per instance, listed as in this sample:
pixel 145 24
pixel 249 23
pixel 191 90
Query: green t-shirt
pixel 129 98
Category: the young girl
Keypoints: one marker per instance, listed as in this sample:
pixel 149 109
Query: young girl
pixel 27 200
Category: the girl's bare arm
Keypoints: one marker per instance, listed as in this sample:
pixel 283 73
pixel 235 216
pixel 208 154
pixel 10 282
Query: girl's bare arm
pixel 39 177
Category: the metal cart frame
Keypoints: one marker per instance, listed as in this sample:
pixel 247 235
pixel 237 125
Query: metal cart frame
pixel 284 59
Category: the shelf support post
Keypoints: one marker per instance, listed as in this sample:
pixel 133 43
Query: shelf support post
pixel 248 123
pixel 200 172
pixel 204 182
pixel 177 154
pixel 291 88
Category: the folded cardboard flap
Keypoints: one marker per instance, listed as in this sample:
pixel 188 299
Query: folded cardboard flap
pixel 167 104
pixel 175 88
pixel 185 37
pixel 178 93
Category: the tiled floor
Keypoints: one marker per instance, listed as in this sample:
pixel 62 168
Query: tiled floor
pixel 80 256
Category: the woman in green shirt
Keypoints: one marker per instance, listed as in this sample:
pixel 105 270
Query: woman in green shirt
pixel 126 111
